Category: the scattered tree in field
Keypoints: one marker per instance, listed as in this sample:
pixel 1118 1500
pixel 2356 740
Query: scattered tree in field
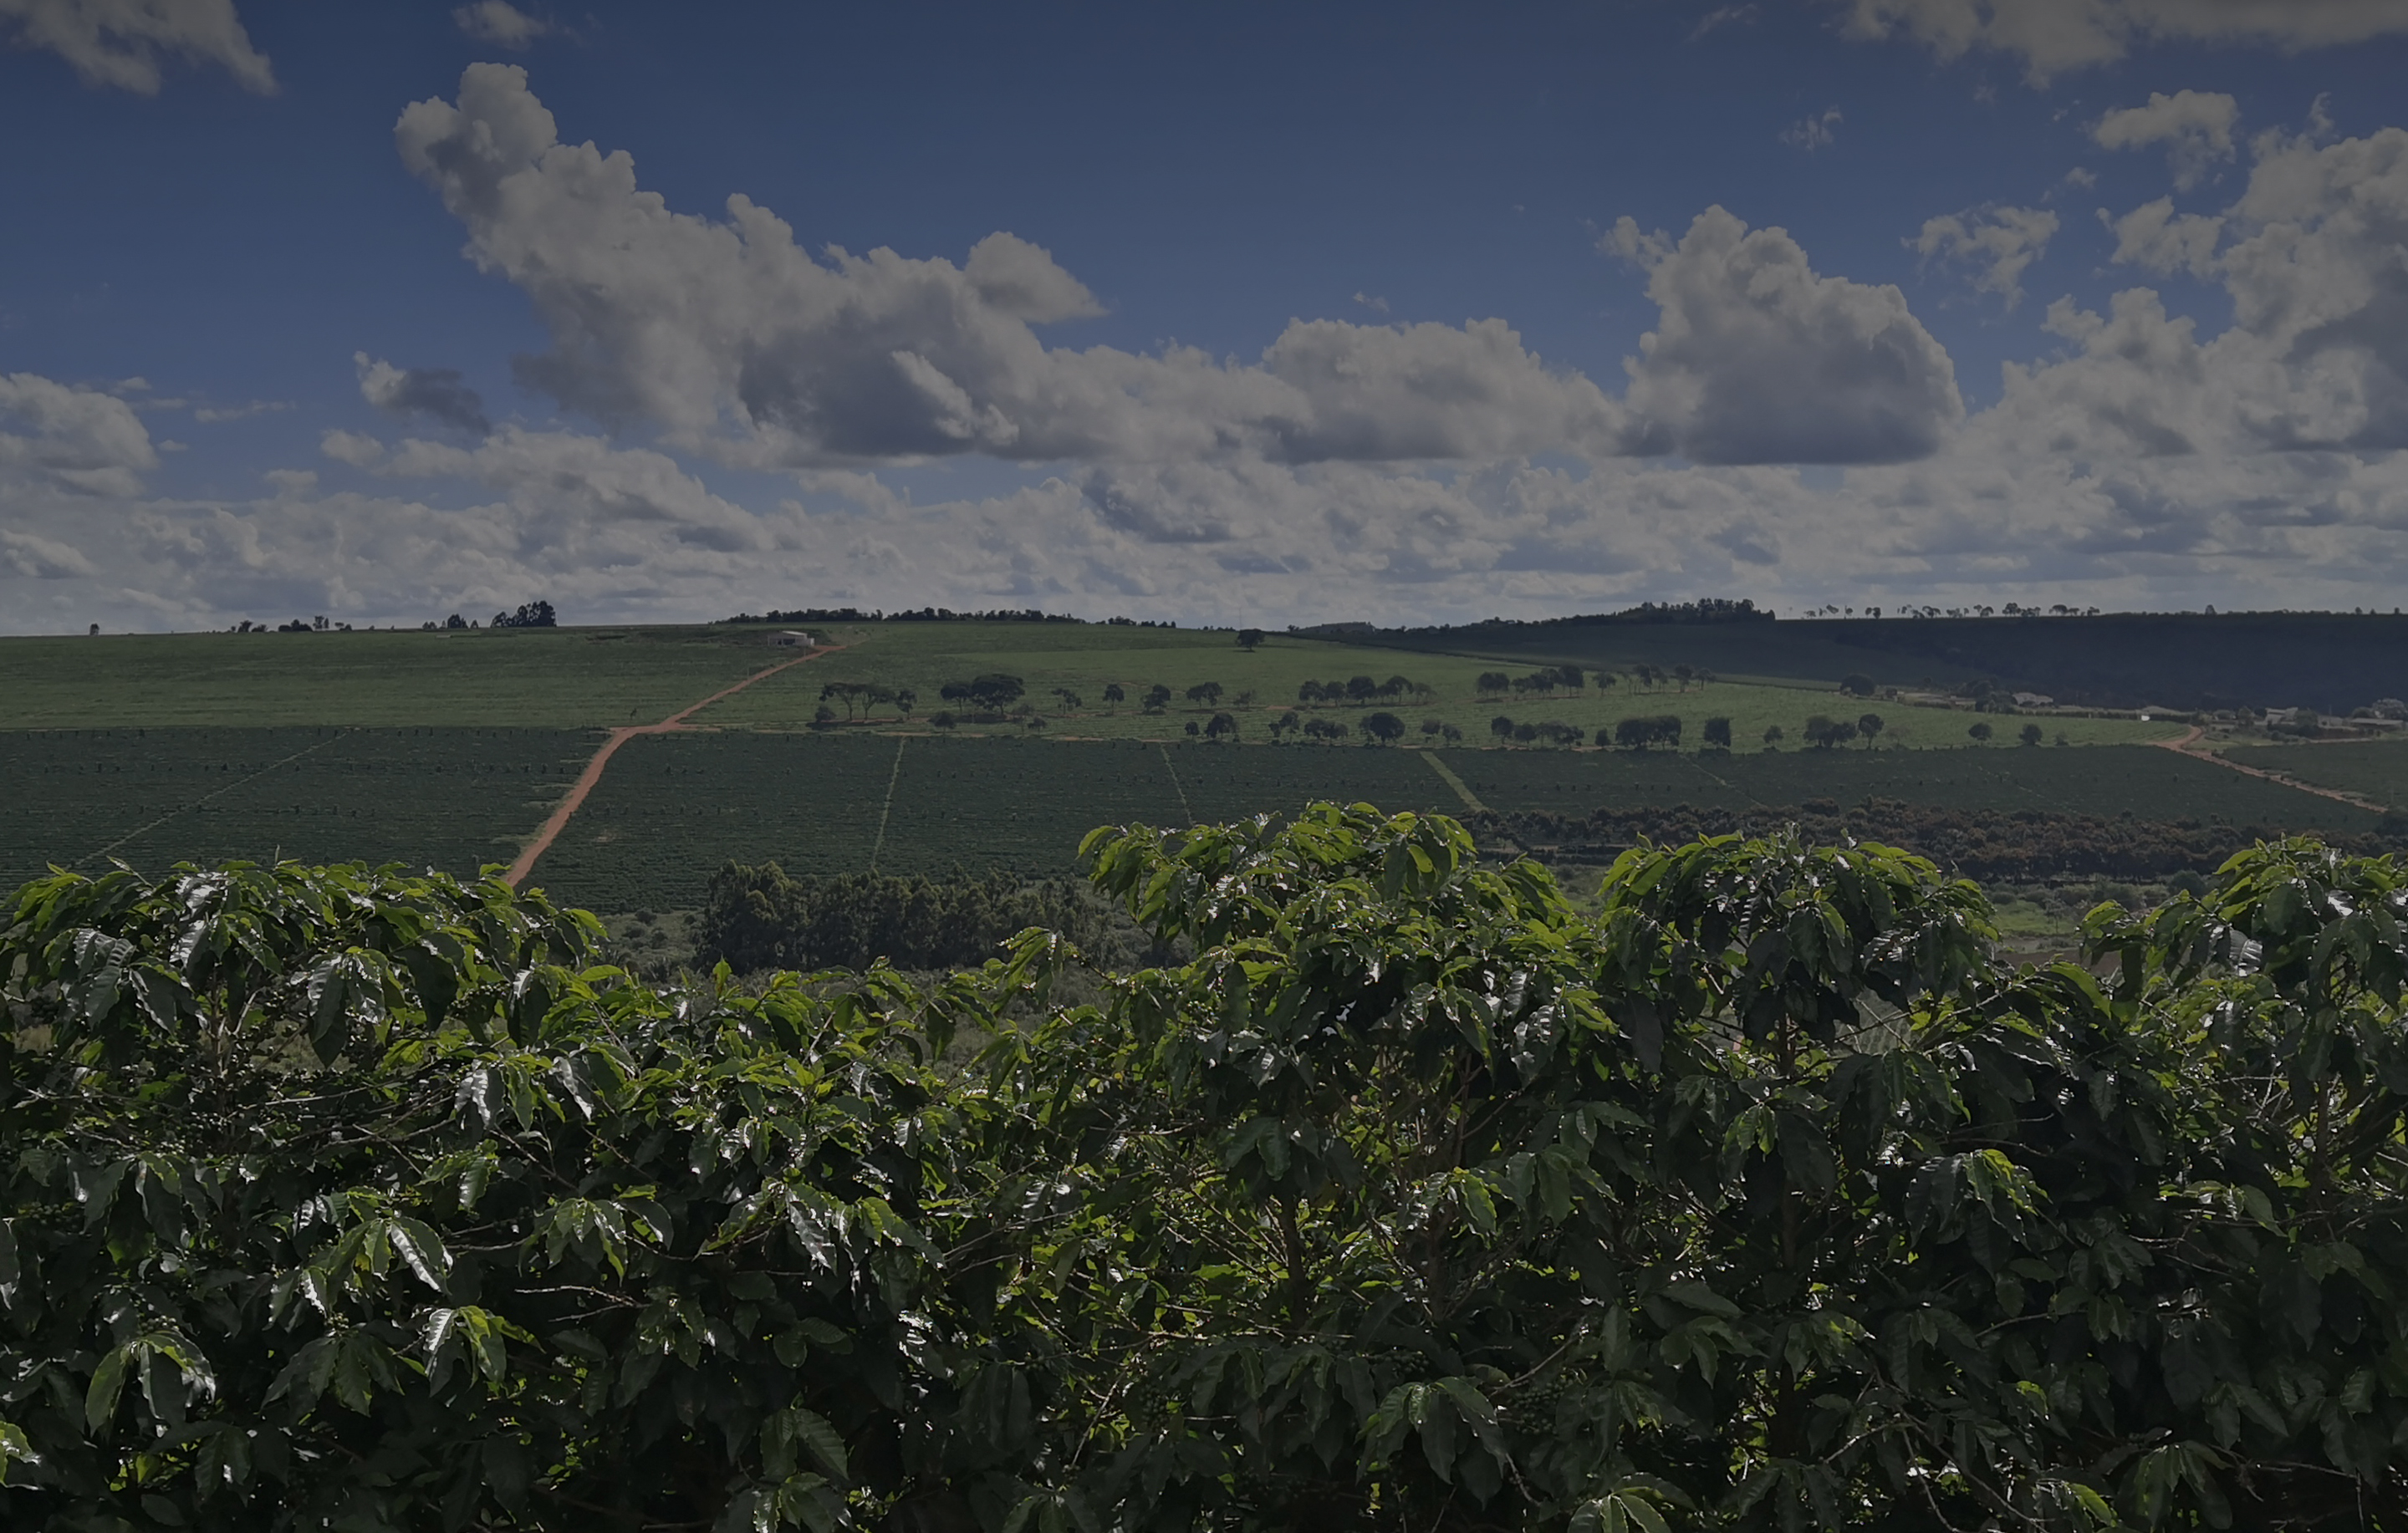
pixel 1774 736
pixel 1980 732
pixel 1204 694
pixel 1193 728
pixel 1824 732
pixel 1114 694
pixel 1870 725
pixel 1249 638
pixel 1327 729
pixel 1070 700
pixel 1308 692
pixel 1492 683
pixel 991 692
pixel 1718 733
pixel 1449 734
pixel 1431 726
pixel 862 698
pixel 2030 734
pixel 1224 726
pixel 1361 689
pixel 1383 728
pixel 1501 726
pixel 1158 698
pixel 1639 733
pixel 1856 684
pixel 1284 723
pixel 1682 674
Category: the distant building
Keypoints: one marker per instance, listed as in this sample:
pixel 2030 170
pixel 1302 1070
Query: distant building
pixel 792 639
pixel 2033 699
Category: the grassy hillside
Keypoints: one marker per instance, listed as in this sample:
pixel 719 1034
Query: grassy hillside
pixel 1260 685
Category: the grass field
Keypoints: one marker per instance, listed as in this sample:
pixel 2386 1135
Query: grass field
pixel 448 799
pixel 1257 686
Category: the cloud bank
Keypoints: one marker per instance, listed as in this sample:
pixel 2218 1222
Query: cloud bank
pixel 1389 472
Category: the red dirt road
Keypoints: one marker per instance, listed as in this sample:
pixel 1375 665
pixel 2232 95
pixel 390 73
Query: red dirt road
pixel 569 807
pixel 2182 746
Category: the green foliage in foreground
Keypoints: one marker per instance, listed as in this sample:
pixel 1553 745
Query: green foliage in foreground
pixel 1416 1199
pixel 756 917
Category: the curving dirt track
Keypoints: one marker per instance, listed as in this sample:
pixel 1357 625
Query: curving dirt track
pixel 568 808
pixel 2182 746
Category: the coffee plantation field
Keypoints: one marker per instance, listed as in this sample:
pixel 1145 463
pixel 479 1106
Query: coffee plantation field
pixel 449 749
pixel 2140 781
pixel 447 799
pixel 2376 768
pixel 676 807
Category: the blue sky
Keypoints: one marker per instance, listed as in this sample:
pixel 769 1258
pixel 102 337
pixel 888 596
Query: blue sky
pixel 1301 314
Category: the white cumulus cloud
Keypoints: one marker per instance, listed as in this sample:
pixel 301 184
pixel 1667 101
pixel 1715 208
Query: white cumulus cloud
pixel 731 338
pixel 2154 238
pixel 501 23
pixel 1757 358
pixel 76 439
pixel 430 393
pixel 2195 127
pixel 1999 242
pixel 120 42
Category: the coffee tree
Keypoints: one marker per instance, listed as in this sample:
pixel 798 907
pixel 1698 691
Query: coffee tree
pixel 1410 1194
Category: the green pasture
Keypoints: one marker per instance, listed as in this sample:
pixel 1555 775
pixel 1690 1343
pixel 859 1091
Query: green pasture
pixel 512 677
pixel 1258 686
pixel 449 799
pixel 2376 768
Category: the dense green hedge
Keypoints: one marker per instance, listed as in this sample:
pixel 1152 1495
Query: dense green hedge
pixel 1416 1199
